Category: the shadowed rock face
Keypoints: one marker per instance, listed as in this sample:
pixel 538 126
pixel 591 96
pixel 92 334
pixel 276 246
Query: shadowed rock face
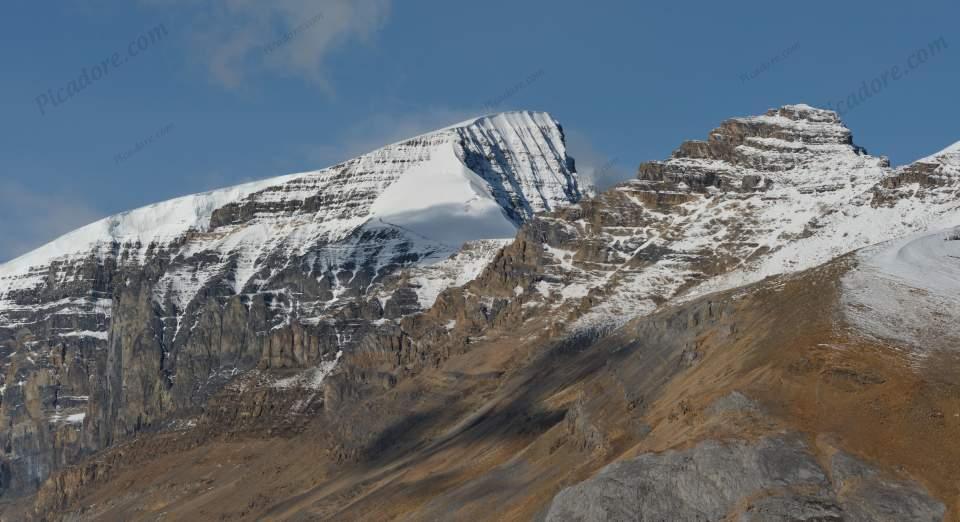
pixel 771 479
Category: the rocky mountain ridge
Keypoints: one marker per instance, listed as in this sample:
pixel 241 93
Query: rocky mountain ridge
pixel 765 195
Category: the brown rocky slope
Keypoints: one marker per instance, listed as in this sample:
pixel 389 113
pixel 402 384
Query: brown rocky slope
pixel 495 432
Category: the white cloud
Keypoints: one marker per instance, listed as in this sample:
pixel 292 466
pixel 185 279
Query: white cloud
pixel 594 167
pixel 29 219
pixel 239 39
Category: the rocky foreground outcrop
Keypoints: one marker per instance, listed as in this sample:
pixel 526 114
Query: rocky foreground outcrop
pixel 772 479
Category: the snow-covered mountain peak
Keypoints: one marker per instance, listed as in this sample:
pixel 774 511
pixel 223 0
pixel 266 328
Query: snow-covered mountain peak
pixel 794 145
pixel 798 124
pixel 505 120
pixel 288 271
pixel 802 111
pixel 478 179
pixel 141 317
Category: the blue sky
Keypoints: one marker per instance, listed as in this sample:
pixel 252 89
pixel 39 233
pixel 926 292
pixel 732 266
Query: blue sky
pixel 241 90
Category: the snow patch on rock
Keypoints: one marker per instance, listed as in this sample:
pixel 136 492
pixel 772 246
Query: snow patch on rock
pixel 311 378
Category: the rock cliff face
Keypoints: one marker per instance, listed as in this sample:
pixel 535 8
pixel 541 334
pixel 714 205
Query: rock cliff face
pixel 800 418
pixel 130 322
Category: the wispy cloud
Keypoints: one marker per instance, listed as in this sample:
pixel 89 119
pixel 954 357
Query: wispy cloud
pixel 30 218
pixel 241 39
pixel 596 169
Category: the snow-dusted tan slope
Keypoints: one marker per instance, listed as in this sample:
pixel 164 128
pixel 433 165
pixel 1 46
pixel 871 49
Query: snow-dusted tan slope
pixel 908 290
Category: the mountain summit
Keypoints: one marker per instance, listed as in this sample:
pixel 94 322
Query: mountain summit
pixel 321 248
pixel 481 178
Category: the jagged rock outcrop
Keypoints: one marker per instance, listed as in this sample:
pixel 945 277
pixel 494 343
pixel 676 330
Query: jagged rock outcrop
pixel 932 178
